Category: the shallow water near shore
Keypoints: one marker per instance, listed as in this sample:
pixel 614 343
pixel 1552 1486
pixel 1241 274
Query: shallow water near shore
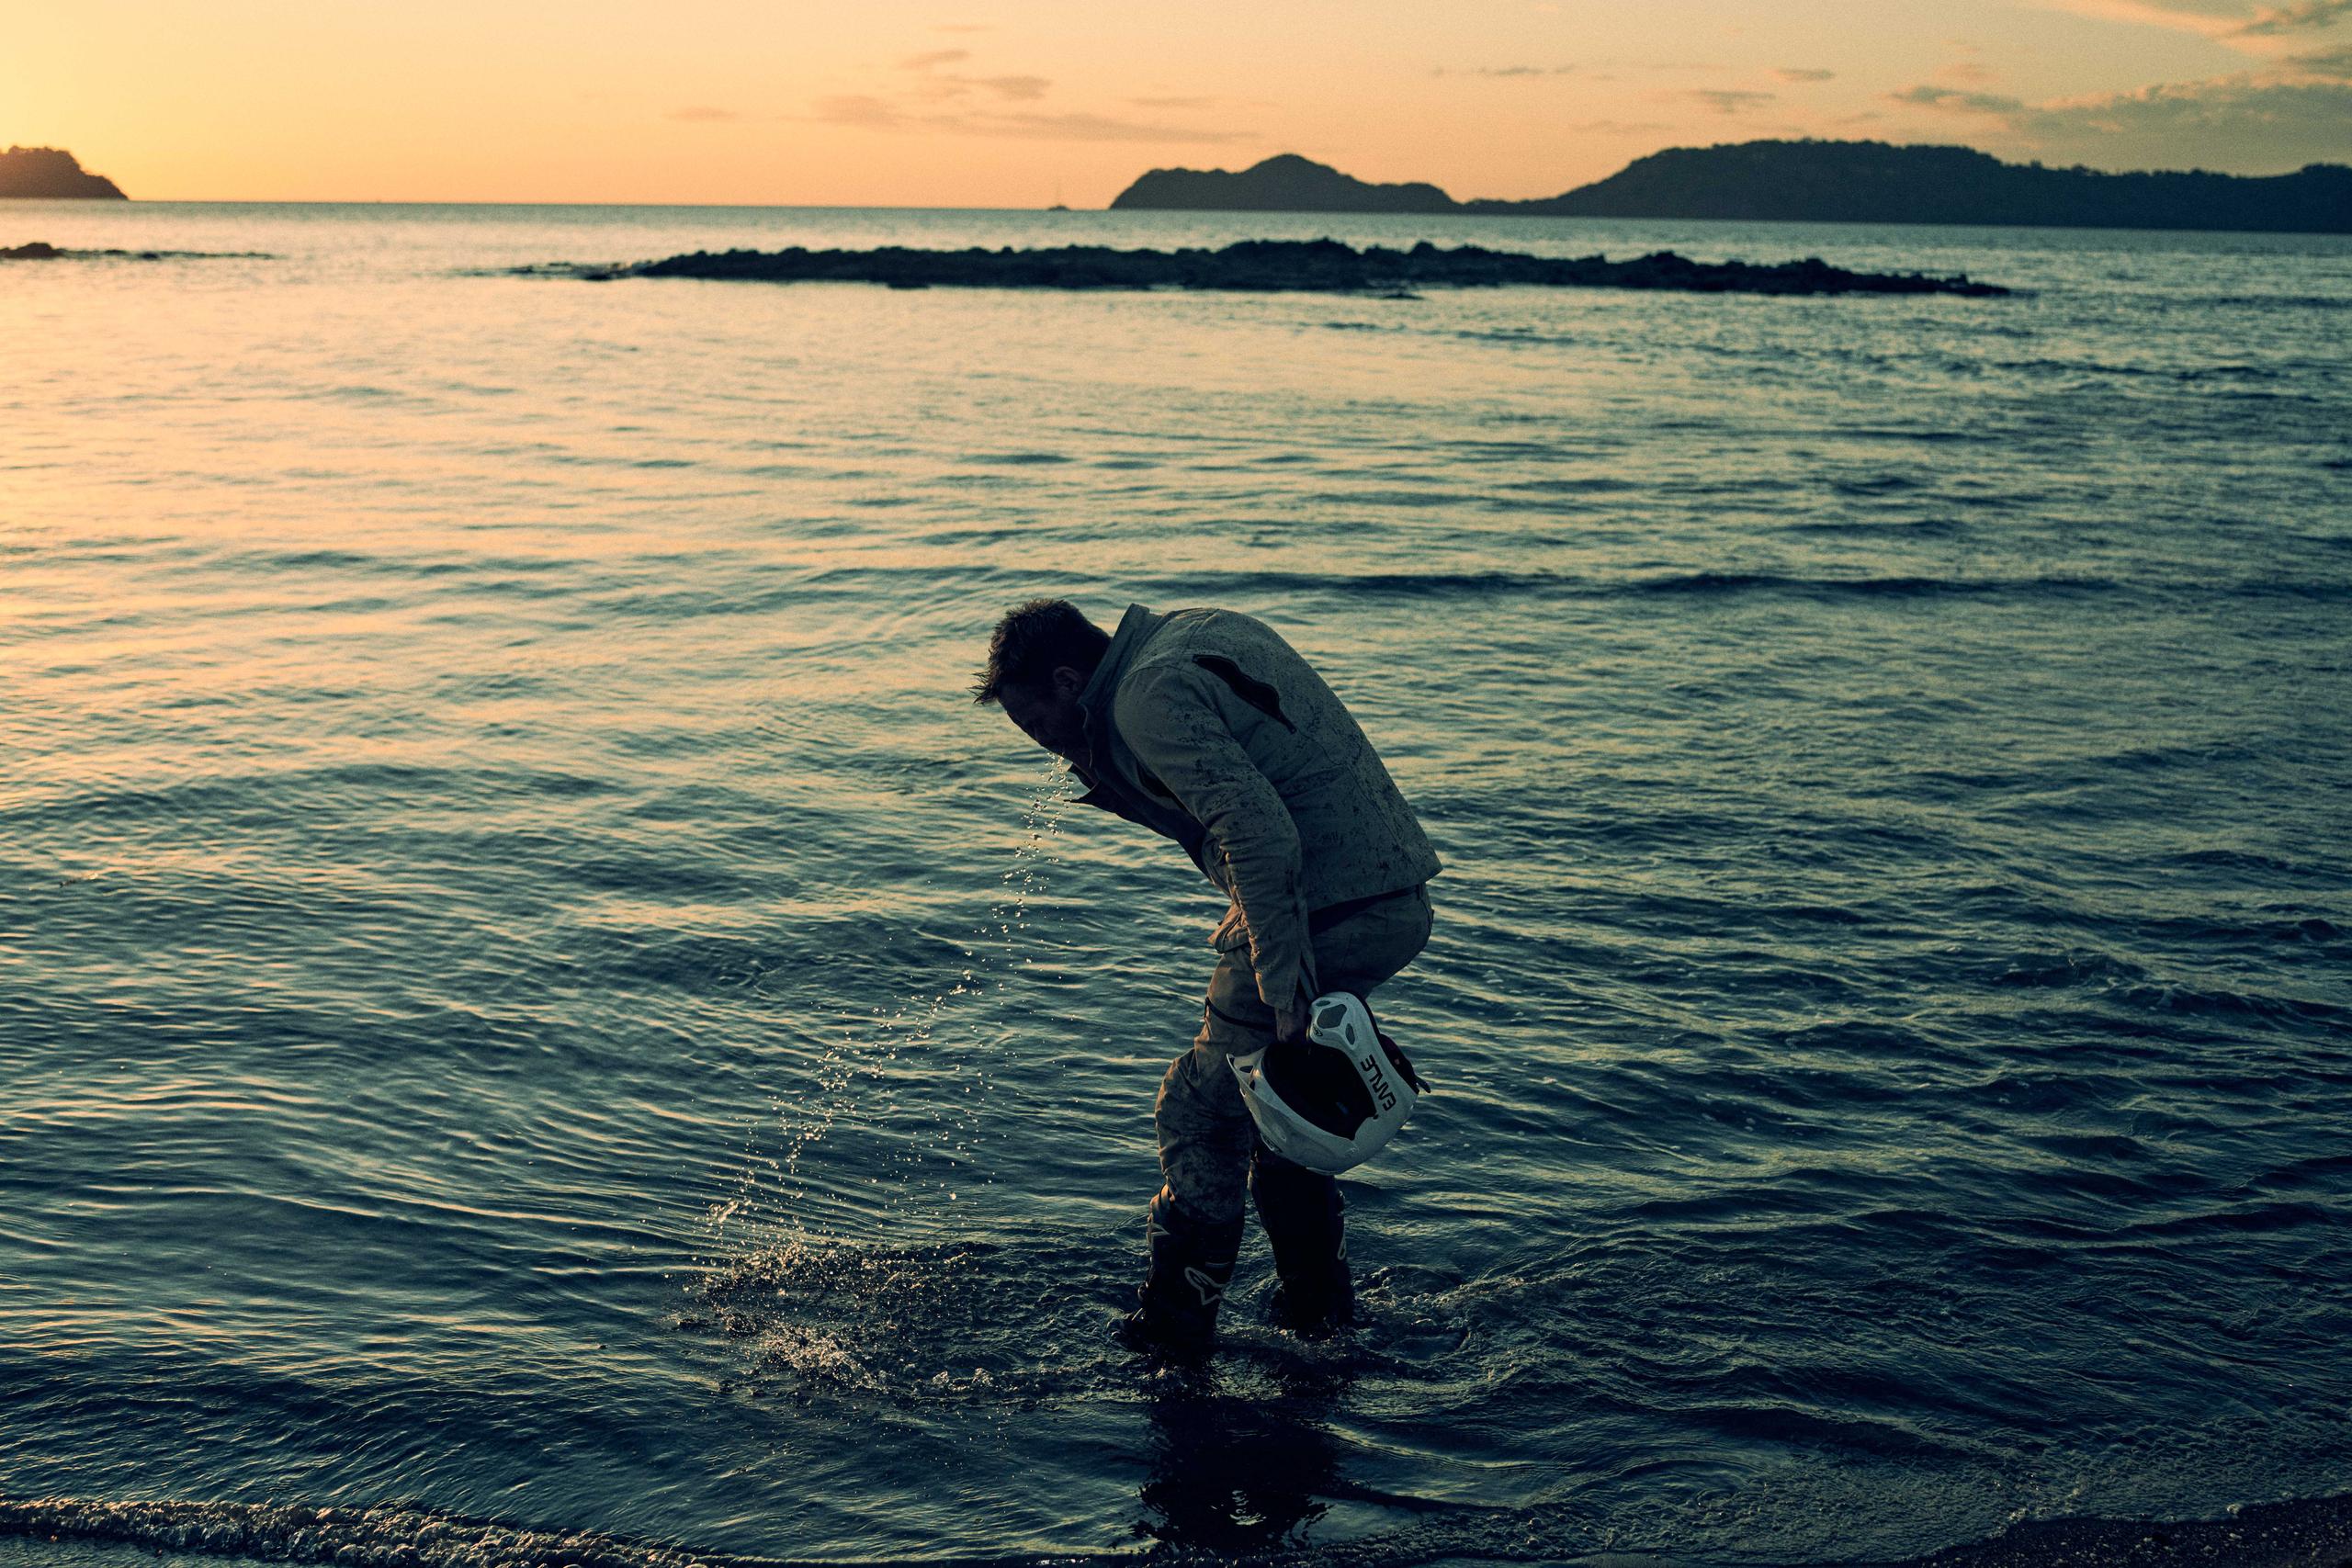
pixel 526 992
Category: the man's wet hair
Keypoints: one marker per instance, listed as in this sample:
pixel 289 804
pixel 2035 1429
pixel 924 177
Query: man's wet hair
pixel 1034 639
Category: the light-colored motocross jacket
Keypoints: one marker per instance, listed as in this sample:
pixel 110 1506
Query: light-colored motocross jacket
pixel 1206 726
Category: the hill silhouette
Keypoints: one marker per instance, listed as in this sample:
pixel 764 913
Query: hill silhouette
pixel 1830 182
pixel 53 172
pixel 1284 183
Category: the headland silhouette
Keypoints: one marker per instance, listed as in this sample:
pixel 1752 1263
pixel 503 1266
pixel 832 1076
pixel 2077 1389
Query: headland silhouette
pixel 53 173
pixel 1822 182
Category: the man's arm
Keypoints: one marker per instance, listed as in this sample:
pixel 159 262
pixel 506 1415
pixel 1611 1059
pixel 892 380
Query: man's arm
pixel 1173 721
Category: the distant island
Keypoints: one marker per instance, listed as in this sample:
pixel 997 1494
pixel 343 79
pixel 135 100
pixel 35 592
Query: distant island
pixel 1271 267
pixel 54 173
pixel 1284 183
pixel 1807 182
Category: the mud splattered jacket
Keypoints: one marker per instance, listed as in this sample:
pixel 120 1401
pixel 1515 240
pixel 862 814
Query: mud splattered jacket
pixel 1205 727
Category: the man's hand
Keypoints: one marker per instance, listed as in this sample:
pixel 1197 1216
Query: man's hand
pixel 1290 1022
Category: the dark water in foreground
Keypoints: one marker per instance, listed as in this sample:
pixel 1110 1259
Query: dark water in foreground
pixel 526 992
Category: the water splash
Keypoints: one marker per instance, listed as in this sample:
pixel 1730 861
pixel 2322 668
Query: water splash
pixel 895 1052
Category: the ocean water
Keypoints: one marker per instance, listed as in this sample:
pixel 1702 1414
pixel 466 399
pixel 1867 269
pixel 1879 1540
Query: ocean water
pixel 527 994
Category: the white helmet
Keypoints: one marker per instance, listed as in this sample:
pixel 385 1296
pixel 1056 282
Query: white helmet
pixel 1331 1103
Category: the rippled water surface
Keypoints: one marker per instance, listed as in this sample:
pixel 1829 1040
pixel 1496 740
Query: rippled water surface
pixel 526 990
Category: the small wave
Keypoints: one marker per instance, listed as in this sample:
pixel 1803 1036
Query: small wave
pixel 1877 484
pixel 1443 584
pixel 1590 484
pixel 1404 584
pixel 265 561
pixel 2289 587
pixel 2314 1530
pixel 2198 1001
pixel 1017 459
pixel 2234 859
pixel 2327 1174
pixel 1713 582
pixel 2040 970
pixel 1899 526
pixel 2228 372
pixel 1517 337
pixel 385 1536
pixel 1932 436
pixel 2198 303
pixel 2186 374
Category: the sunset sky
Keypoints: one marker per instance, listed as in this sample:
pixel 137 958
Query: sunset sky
pixel 929 103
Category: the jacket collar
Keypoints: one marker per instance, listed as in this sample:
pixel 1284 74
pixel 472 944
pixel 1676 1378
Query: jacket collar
pixel 1108 771
pixel 1135 630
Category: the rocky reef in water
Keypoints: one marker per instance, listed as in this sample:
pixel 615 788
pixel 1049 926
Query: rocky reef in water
pixel 1281 266
pixel 41 250
pixel 52 174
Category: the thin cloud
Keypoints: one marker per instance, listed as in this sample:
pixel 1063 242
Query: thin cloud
pixel 1592 69
pixel 935 85
pixel 2269 36
pixel 702 114
pixel 1495 71
pixel 1804 73
pixel 1951 100
pixel 2335 64
pixel 866 112
pixel 2309 16
pixel 2234 122
pixel 1729 100
pixel 1966 67
pixel 1021 89
pixel 2140 13
pixel 932 98
pixel 861 109
pixel 2247 123
pixel 1094 128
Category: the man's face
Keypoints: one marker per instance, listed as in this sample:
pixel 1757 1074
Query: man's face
pixel 1048 713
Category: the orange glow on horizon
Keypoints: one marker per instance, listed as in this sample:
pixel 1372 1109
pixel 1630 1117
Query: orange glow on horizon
pixel 1016 106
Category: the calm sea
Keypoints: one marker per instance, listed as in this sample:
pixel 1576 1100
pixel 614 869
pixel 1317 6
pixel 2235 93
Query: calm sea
pixel 527 992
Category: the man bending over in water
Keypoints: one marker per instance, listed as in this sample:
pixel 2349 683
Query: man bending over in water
pixel 1205 727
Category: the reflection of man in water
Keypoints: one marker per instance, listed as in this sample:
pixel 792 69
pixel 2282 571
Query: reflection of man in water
pixel 1237 1476
pixel 1205 727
